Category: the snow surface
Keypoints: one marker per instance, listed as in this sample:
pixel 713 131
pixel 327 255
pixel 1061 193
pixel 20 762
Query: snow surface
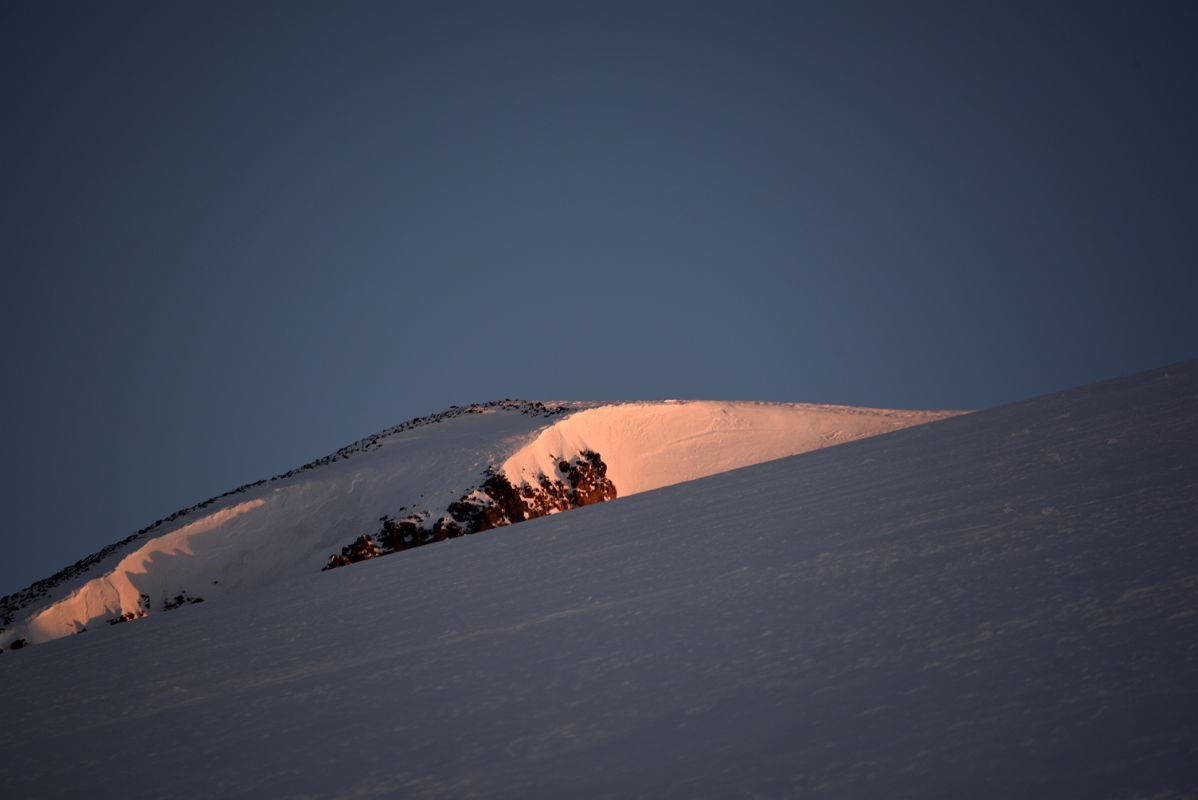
pixel 1002 604
pixel 290 527
pixel 650 445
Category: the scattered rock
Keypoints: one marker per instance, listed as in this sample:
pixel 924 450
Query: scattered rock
pixel 361 549
pixel 496 503
pixel 336 561
pixel 181 599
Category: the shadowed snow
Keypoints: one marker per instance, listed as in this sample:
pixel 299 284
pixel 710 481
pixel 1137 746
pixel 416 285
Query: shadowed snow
pixel 997 605
pixel 289 526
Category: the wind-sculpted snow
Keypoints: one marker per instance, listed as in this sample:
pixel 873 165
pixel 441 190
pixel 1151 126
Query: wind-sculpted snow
pixel 424 476
pixel 11 605
pixel 650 445
pixel 115 597
pixel 997 605
pixel 304 514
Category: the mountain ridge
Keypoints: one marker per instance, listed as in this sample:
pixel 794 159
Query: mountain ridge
pixel 17 600
pixel 415 477
pixel 998 604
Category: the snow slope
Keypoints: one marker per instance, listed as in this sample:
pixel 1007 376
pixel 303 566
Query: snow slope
pixel 650 445
pixel 1002 604
pixel 290 525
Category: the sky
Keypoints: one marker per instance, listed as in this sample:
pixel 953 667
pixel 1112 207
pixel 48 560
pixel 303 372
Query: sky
pixel 237 236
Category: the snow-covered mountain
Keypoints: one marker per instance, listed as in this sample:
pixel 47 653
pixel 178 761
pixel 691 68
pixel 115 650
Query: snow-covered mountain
pixel 461 471
pixel 999 604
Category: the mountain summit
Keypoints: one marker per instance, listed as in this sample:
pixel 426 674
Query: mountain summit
pixel 1001 604
pixel 462 471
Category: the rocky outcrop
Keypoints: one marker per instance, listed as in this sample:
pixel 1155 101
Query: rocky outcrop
pixel 360 549
pixel 578 483
pixel 128 616
pixel 497 502
pixel 588 479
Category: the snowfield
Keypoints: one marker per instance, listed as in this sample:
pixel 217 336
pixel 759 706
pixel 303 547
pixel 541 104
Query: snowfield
pixel 1000 604
pixel 650 445
pixel 290 526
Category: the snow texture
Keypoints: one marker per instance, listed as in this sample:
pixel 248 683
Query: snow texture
pixel 290 525
pixel 1002 604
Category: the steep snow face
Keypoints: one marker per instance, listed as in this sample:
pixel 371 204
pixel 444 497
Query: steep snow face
pixel 999 605
pixel 290 525
pixel 650 445
pixel 126 588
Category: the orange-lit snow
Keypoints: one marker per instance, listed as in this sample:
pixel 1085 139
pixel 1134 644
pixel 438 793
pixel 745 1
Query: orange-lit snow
pixel 289 527
pixel 115 592
pixel 997 605
pixel 650 445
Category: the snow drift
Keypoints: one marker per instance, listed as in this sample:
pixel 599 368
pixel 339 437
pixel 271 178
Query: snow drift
pixel 650 445
pixel 270 530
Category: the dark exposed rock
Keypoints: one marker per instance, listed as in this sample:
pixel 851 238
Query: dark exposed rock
pixel 17 644
pixel 496 503
pixel 335 561
pixel 588 477
pixel 505 497
pixel 128 616
pixel 181 599
pixel 447 528
pixel 401 534
pixel 362 549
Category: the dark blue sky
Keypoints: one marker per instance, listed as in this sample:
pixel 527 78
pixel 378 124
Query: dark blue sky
pixel 238 236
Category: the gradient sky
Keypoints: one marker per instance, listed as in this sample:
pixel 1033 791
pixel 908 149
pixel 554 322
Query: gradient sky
pixel 238 236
